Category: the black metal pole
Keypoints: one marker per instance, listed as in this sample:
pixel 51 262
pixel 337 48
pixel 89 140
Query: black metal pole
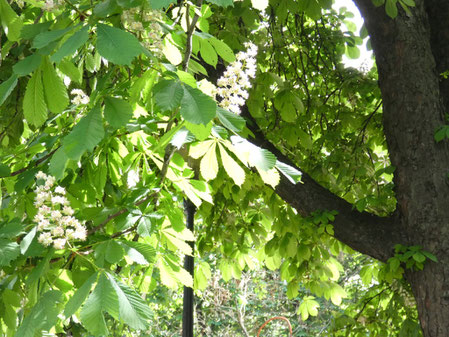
pixel 187 313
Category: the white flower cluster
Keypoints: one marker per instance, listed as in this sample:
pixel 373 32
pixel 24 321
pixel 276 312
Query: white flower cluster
pixel 145 22
pixel 54 217
pixel 233 85
pixel 80 97
pixel 20 3
pixel 50 5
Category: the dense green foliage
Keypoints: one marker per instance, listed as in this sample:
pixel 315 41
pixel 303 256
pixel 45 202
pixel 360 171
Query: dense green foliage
pixel 120 102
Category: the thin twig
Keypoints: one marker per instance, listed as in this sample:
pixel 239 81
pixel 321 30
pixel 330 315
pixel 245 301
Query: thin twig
pixel 190 31
pixel 44 158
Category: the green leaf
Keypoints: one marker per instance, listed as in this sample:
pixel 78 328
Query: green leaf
pixel 308 307
pixel 27 239
pixel 145 226
pixel 106 8
pixel 262 159
pixel 141 253
pixel 132 309
pixel 5 170
pixel 55 91
pixel 11 229
pixel 352 52
pixel 79 296
pixel 430 256
pixel 11 22
pixel 85 135
pixel 27 65
pixel 102 299
pixel 419 257
pixel 11 297
pixel 34 107
pixel 8 251
pixel 40 268
pixel 43 39
pixel 208 53
pixel 442 133
pixel 168 94
pixel 69 69
pixel 202 275
pixel 117 111
pixel 114 252
pixel 337 293
pixel 158 4
pixel 222 49
pixel 7 87
pixel 222 3
pixel 200 131
pixel 231 167
pixel 117 45
pixel 43 316
pixel 58 163
pixel 72 44
pixel 391 8
pixel 410 3
pixel 289 172
pixel 182 137
pixel 196 107
pixel 29 31
pixel 230 120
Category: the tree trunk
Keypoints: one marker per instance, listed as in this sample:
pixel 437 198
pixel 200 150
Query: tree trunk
pixel 411 52
pixel 431 290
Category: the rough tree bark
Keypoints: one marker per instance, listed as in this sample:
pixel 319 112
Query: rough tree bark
pixel 411 52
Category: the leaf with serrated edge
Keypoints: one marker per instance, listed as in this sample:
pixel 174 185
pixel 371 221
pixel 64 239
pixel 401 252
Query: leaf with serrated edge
pixel 8 251
pixel 102 299
pixel 231 167
pixel 132 309
pixel 196 107
pixel 289 172
pixel 117 45
pixel 168 94
pixel 222 49
pixel 270 177
pixel 55 91
pixel 79 296
pixel 7 87
pixel 198 150
pixel 72 44
pixel 117 111
pixel 85 135
pixel 209 163
pixel 27 65
pixel 166 274
pixel 230 120
pixel 34 107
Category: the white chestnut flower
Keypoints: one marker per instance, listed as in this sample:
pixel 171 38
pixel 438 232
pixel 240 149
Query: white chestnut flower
pixel 59 243
pixel 45 239
pixel 57 231
pixel 236 79
pixel 80 97
pixel 60 190
pixel 41 175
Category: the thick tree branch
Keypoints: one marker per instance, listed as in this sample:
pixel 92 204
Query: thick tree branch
pixel 364 232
